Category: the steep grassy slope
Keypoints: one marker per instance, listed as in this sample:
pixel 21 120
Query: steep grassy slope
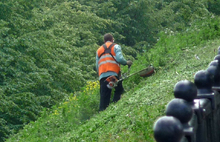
pixel 132 118
pixel 47 50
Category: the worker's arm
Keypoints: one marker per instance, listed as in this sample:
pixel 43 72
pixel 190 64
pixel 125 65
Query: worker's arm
pixel 119 56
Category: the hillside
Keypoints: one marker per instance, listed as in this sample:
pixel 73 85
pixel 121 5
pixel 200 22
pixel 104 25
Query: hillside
pixel 132 118
pixel 48 80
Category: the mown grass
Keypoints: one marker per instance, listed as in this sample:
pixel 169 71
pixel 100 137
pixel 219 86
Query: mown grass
pixel 132 118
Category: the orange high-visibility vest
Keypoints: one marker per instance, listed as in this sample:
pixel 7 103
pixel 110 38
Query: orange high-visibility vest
pixel 107 61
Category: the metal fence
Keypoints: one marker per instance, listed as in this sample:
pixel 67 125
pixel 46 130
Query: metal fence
pixel 194 114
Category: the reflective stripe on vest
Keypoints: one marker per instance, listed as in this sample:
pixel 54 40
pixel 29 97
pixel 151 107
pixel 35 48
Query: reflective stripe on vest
pixel 106 61
pixel 108 57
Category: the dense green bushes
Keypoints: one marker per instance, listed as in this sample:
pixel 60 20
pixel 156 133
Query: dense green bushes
pixel 213 6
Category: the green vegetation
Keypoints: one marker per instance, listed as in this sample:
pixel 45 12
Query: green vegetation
pixel 48 83
pixel 132 118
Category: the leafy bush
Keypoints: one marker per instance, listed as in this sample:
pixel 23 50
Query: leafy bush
pixel 213 6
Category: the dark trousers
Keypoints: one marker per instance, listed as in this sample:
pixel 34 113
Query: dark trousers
pixel 105 94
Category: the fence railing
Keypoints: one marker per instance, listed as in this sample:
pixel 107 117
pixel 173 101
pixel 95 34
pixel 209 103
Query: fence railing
pixel 194 114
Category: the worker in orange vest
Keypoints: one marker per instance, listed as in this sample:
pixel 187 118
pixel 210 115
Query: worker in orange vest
pixel 108 59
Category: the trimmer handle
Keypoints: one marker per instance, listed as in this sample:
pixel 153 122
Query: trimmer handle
pixel 129 68
pixel 129 65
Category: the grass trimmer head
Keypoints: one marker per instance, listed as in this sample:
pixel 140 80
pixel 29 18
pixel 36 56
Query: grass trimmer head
pixel 147 72
pixel 113 81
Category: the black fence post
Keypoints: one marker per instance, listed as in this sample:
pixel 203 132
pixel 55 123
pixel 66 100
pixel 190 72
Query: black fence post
pixel 205 97
pixel 168 129
pixel 179 108
pixel 194 114
pixel 214 70
pixel 187 91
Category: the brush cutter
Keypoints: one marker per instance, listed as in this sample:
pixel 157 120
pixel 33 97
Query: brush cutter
pixel 113 81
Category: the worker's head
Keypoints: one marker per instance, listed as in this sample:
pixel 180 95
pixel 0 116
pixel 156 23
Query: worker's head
pixel 108 37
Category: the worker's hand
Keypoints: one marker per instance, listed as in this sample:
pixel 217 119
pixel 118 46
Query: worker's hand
pixel 129 63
